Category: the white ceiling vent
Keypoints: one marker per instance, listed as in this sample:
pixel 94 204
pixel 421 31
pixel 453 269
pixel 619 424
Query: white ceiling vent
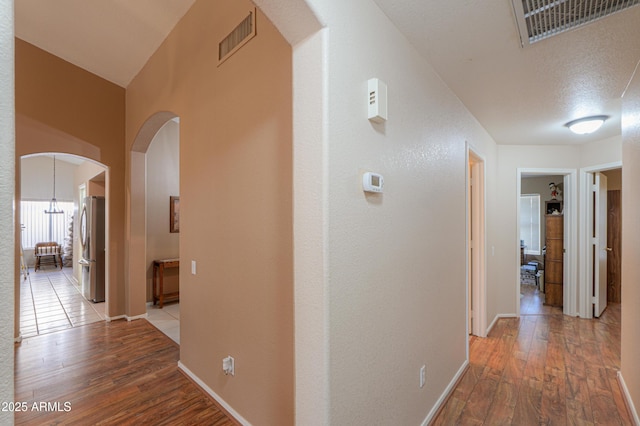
pixel 540 19
pixel 237 38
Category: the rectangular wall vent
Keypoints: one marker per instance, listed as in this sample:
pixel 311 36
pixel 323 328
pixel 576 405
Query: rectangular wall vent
pixel 237 38
pixel 541 19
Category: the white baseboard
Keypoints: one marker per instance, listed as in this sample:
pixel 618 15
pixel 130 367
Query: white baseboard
pixel 117 317
pixel 214 395
pixel 497 317
pixel 445 394
pixel 128 318
pixel 141 316
pixel 628 400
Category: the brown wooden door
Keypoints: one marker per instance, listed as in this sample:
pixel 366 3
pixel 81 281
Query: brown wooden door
pixel 614 266
pixel 553 261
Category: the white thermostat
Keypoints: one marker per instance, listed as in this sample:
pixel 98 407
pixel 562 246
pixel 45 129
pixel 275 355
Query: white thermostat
pixel 372 182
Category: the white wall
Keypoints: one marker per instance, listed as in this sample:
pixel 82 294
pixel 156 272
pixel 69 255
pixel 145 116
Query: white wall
pixel 601 152
pixel 502 291
pixel 36 178
pixel 631 241
pixel 8 278
pixel 163 181
pixel 395 262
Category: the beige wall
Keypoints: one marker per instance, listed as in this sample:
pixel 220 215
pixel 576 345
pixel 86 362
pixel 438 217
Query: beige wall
pixel 614 179
pixel 163 181
pixel 236 203
pixel 62 108
pixel 631 240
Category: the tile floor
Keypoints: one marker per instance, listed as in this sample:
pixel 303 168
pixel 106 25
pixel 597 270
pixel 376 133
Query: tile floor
pixel 50 301
pixel 166 319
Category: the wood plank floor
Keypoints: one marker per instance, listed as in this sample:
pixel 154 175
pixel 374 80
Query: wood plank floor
pixel 118 373
pixel 542 369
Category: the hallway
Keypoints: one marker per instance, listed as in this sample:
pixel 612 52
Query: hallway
pixel 543 368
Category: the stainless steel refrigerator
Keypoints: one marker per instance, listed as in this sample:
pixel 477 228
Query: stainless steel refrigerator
pixel 92 236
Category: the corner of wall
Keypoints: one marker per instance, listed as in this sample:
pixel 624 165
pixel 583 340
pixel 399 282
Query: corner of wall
pixel 9 278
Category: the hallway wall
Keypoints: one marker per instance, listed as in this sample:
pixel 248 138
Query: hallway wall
pixel 63 108
pixel 631 240
pixel 395 262
pixel 236 203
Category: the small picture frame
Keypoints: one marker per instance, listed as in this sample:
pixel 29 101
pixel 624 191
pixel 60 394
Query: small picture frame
pixel 174 214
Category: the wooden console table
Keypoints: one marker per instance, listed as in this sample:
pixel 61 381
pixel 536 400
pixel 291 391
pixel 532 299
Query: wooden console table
pixel 158 277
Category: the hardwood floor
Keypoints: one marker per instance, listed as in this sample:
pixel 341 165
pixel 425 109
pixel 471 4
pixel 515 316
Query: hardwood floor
pixel 542 369
pixel 118 373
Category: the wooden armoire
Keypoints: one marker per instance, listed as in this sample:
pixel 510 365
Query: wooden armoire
pixel 553 268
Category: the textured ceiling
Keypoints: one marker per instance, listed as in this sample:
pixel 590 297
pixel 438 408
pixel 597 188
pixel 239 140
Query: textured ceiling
pixel 524 95
pixel 520 95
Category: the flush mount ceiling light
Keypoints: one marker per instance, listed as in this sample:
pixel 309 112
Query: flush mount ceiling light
pixel 586 125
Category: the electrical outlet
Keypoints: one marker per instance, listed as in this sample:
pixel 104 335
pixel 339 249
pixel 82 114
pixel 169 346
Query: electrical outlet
pixel 423 375
pixel 229 366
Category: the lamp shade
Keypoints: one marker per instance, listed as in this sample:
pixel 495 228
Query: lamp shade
pixel 586 125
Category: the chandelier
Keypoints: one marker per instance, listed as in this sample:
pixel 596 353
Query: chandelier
pixel 53 204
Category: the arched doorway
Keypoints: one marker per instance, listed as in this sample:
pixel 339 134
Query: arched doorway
pixel 52 287
pixel 36 138
pixel 139 267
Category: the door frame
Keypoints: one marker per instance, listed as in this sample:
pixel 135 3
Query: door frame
pixel 476 286
pixel 586 282
pixel 570 266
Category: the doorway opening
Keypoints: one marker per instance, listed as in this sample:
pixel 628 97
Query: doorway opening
pixel 547 242
pixel 162 235
pixel 52 284
pixel 601 248
pixel 154 235
pixel 476 228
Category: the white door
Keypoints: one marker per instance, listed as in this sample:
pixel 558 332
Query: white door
pixel 470 252
pixel 476 247
pixel 600 245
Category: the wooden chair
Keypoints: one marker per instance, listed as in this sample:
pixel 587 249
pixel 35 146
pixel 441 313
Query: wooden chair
pixel 48 249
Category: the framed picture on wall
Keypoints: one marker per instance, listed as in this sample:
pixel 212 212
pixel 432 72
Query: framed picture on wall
pixel 174 214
